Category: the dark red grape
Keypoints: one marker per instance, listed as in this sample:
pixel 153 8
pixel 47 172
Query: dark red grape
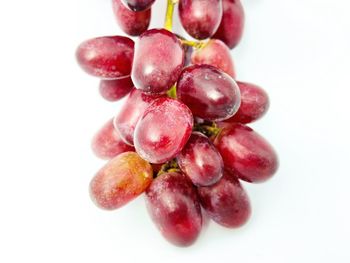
pixel 210 93
pixel 106 57
pixel 158 61
pixel 132 23
pixel 173 205
pixel 254 103
pixel 133 108
pixel 246 154
pixel 215 53
pixel 107 143
pixel 138 5
pixel 121 180
pixel 200 18
pixel 201 161
pixel 231 27
pixel 163 130
pixel 226 202
pixel 115 89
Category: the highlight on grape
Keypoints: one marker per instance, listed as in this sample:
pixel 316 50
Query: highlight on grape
pixel 181 136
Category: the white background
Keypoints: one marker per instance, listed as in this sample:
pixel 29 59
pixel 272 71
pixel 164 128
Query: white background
pixel 297 50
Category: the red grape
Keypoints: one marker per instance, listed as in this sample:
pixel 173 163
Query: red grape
pixel 158 61
pixel 107 143
pixel 201 161
pixel 106 57
pixel 173 204
pixel 246 154
pixel 138 5
pixel 215 53
pixel 132 23
pixel 226 202
pixel 115 89
pixel 163 130
pixel 128 116
pixel 122 179
pixel 200 18
pixel 254 103
pixel 231 27
pixel 210 93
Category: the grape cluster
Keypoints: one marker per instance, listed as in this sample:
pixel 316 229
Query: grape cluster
pixel 181 134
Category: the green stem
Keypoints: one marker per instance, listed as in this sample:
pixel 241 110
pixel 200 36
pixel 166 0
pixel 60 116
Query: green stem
pixel 172 92
pixel 169 167
pixel 168 25
pixel 209 129
pixel 194 44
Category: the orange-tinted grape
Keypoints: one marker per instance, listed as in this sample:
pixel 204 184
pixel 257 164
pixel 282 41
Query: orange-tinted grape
pixel 121 180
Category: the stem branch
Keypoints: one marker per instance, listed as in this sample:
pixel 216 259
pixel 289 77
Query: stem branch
pixel 194 44
pixel 172 92
pixel 168 25
pixel 171 166
pixel 209 129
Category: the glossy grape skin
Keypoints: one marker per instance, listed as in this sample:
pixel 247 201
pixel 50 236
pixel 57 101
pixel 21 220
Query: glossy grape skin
pixel 210 93
pixel 201 161
pixel 131 111
pixel 158 61
pixel 231 27
pixel 254 103
pixel 138 5
pixel 163 130
pixel 115 89
pixel 132 23
pixel 121 180
pixel 226 202
pixel 246 154
pixel 173 205
pixel 107 57
pixel 200 18
pixel 215 53
pixel 107 143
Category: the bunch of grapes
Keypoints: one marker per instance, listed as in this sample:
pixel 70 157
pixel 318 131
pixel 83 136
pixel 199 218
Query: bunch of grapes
pixel 181 135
